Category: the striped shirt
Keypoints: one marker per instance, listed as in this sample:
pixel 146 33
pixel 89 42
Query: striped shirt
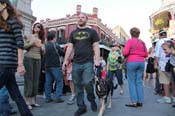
pixel 9 42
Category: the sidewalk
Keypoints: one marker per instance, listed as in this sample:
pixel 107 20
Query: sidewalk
pixel 150 107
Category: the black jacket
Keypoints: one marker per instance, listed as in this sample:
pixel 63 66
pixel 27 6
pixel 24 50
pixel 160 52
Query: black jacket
pixel 52 57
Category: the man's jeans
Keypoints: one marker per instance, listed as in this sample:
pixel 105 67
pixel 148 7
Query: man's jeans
pixel 4 102
pixel 7 78
pixel 135 81
pixel 51 74
pixel 158 87
pixel 82 76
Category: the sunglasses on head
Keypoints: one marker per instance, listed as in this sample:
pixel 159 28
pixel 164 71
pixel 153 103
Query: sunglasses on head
pixel 170 43
pixel 38 26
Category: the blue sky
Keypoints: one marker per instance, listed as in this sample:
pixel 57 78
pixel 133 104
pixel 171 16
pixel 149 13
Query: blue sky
pixel 126 13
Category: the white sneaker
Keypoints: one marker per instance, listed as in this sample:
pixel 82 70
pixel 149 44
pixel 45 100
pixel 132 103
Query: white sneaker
pixel 121 92
pixel 72 97
pixel 29 107
pixel 71 100
pixel 164 100
pixel 173 99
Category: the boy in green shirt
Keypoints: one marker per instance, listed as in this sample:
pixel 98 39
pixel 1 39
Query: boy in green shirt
pixel 114 65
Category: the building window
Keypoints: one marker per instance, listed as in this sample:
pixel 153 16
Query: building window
pixel 61 36
pixel 58 35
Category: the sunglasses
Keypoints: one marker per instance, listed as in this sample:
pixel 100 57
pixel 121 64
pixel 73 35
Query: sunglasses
pixel 37 26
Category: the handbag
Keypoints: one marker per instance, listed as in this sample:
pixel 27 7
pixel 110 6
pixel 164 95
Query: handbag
pixel 56 50
pixel 168 67
pixel 125 58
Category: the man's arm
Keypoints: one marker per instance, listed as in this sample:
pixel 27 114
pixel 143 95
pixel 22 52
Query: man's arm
pixel 67 55
pixel 96 53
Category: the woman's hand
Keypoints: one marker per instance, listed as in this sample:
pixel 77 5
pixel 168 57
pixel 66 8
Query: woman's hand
pixel 37 43
pixel 21 70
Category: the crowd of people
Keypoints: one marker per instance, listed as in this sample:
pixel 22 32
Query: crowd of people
pixel 42 57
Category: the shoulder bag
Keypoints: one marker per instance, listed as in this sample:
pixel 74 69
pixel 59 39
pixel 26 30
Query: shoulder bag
pixel 131 49
pixel 56 50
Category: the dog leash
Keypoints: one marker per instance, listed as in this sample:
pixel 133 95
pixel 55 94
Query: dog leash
pixel 65 75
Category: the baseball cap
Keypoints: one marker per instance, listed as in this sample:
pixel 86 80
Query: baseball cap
pixel 162 32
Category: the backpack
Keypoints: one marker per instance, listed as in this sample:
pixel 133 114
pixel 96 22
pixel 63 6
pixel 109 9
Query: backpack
pixel 168 67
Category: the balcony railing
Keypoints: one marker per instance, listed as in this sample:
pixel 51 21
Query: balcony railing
pixel 104 42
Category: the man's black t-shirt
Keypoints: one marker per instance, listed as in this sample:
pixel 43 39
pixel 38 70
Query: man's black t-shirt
pixel 82 39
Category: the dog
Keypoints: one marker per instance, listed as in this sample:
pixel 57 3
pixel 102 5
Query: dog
pixel 103 88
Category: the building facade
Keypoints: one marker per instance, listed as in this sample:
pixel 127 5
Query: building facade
pixel 66 25
pixel 121 34
pixel 24 7
pixel 164 18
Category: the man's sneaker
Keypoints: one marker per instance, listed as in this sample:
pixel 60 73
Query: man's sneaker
pixel 79 112
pixel 59 100
pixel 71 100
pixel 121 92
pixel 115 86
pixel 173 105
pixel 13 111
pixel 48 100
pixel 164 100
pixel 93 106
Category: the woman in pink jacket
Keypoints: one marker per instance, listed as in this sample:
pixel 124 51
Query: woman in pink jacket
pixel 135 51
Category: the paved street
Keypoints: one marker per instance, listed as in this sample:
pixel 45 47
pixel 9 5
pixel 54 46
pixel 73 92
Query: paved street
pixel 150 108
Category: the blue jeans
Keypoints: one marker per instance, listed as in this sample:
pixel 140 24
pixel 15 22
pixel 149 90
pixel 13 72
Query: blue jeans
pixel 51 74
pixel 82 76
pixel 135 81
pixel 4 102
pixel 7 79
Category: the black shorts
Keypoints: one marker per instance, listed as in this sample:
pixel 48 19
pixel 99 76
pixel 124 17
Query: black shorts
pixel 119 76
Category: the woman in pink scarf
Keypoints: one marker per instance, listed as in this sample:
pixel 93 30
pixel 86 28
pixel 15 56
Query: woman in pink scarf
pixel 135 51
